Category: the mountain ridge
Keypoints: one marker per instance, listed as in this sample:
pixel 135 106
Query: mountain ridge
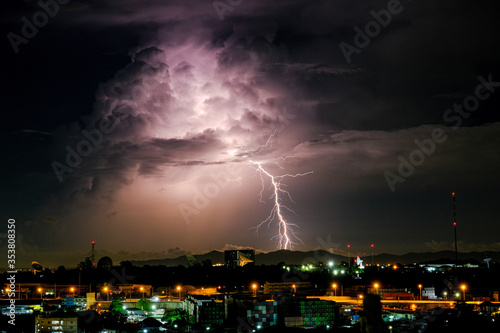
pixel 291 257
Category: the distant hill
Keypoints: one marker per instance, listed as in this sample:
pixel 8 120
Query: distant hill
pixel 214 256
pixel 313 257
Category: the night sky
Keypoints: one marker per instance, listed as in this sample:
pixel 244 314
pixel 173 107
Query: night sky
pixel 146 126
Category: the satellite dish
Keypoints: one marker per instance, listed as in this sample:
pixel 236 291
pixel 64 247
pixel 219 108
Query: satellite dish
pixel 105 264
pixel 36 267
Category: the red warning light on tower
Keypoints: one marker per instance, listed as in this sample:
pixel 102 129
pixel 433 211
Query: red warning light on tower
pixel 348 245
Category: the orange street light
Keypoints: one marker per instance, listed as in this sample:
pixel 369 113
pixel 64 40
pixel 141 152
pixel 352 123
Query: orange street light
pixel 420 287
pixel 72 291
pixel 106 289
pixel 254 287
pixel 463 287
pixel 294 288
pixel 40 291
pixel 334 286
pixel 179 290
pixel 142 289
pixel 375 285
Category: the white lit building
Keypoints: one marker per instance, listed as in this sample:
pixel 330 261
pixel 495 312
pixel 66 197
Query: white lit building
pixel 47 324
pixel 79 302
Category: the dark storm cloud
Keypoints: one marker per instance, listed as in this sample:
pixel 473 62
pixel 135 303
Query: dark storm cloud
pixel 195 93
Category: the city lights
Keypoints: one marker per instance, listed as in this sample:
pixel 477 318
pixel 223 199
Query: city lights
pixel 463 287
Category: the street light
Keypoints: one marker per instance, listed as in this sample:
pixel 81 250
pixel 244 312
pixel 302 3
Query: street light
pixel 334 286
pixel 72 289
pixel 420 287
pixel 40 291
pixel 254 287
pixel 376 288
pixel 179 290
pixel 463 286
pixel 107 294
pixel 445 294
pixel 294 288
pixel 142 289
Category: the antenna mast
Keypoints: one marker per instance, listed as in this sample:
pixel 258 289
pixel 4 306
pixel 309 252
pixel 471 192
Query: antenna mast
pixel 455 227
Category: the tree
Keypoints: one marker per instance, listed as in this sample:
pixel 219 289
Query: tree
pixel 207 263
pixel 126 263
pixel 144 304
pixel 177 314
pixel 116 307
pixel 71 310
pixel 179 317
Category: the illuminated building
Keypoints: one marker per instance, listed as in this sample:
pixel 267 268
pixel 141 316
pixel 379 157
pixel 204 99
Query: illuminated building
pixel 273 287
pixel 49 324
pixel 263 313
pixel 79 302
pixel 205 310
pixel 308 312
pixel 238 258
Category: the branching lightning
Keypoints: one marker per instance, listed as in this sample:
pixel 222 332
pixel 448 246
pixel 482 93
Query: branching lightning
pixel 286 234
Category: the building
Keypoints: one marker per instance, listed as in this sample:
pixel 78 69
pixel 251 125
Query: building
pixel 286 287
pixel 44 290
pixel 49 324
pixel 17 309
pixel 132 290
pixel 263 314
pixel 135 315
pixel 238 258
pixel 79 302
pixel 429 293
pixel 308 312
pixel 317 312
pixel 205 310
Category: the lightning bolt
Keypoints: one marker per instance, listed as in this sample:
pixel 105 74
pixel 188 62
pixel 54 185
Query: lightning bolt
pixel 286 234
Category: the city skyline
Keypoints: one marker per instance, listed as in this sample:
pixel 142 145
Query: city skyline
pixel 168 128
